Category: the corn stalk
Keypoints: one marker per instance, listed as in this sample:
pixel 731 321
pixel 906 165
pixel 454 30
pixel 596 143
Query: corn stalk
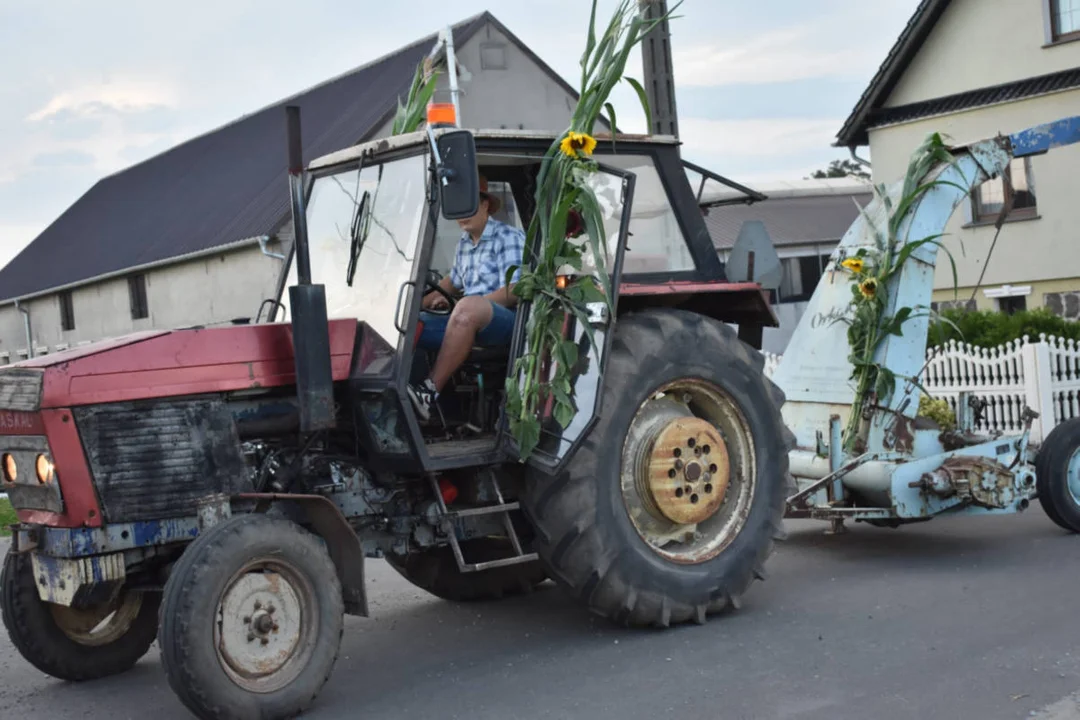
pixel 567 210
pixel 412 112
pixel 871 270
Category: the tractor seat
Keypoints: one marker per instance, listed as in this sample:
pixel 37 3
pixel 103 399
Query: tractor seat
pixel 485 355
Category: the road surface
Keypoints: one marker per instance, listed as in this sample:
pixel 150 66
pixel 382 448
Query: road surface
pixel 955 618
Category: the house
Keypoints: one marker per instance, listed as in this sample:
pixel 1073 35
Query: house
pixel 972 69
pixel 197 234
pixel 805 221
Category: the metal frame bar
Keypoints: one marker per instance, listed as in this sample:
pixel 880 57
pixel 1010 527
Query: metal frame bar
pixel 446 518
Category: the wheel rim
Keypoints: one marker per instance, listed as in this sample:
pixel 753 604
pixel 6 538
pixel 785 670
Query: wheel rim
pixel 100 625
pixel 1073 477
pixel 266 626
pixel 688 471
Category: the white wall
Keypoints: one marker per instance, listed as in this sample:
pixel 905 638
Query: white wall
pixel 213 289
pixel 1040 249
pixel 521 96
pixel 979 43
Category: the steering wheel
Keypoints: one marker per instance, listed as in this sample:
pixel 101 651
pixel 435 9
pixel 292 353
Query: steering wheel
pixel 432 283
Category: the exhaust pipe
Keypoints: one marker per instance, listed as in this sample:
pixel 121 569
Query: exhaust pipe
pixel 27 328
pixel 310 327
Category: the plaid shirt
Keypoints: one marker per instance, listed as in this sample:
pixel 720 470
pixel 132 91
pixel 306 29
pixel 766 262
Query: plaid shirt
pixel 481 269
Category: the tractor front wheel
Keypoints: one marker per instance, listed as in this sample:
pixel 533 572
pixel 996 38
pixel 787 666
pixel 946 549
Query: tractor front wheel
pixel 252 619
pixel 75 643
pixel 670 508
pixel 1057 475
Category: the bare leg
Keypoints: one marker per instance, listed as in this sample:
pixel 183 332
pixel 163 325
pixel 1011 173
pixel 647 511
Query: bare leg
pixel 470 316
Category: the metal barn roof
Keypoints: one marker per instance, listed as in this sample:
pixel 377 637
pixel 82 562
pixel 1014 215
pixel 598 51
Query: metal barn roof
pixel 792 218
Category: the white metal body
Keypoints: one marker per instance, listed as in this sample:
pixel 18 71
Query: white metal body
pixel 815 372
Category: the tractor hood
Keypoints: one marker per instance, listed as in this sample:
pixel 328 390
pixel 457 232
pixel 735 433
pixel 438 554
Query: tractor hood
pixel 166 363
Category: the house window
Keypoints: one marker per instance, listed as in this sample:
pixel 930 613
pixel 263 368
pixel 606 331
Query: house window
pixel 67 311
pixel 1064 20
pixel 492 56
pixel 962 305
pixel 137 296
pixel 799 277
pixel 988 199
pixel 1010 305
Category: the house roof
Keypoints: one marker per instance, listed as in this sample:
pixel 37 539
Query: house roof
pixel 221 188
pixel 794 214
pixel 918 28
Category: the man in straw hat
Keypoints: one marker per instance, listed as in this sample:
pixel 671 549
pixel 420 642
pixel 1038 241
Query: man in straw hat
pixel 484 312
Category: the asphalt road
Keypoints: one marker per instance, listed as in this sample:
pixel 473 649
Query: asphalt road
pixel 955 618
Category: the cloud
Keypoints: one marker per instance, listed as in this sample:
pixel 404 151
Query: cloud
pixel 794 53
pixel 66 158
pixel 125 96
pixel 14 238
pixel 765 137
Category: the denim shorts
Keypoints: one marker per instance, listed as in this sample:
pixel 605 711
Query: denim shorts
pixel 497 332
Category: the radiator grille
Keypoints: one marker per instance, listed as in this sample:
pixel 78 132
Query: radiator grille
pixel 154 460
pixel 20 389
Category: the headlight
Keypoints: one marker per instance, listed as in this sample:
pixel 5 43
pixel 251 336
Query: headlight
pixel 45 469
pixel 11 470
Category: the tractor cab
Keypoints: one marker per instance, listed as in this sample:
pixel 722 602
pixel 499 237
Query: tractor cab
pixel 382 231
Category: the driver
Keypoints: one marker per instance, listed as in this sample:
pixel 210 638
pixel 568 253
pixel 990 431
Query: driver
pixel 484 312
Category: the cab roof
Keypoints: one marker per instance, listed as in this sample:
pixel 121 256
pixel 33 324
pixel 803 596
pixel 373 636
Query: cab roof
pixel 400 142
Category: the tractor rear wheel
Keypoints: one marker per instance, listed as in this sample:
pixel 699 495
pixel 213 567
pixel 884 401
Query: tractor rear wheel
pixel 671 506
pixel 71 643
pixel 436 571
pixel 1057 475
pixel 251 620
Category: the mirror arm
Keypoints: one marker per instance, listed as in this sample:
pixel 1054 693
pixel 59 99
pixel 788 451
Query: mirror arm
pixel 443 174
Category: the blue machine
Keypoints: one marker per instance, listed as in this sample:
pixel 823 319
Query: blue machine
pixel 906 469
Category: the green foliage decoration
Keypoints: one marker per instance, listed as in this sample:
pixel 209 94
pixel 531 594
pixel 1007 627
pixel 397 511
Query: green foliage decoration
pixel 871 269
pixel 567 225
pixel 413 112
pixel 939 411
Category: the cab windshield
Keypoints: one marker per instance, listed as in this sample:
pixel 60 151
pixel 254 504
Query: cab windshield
pixel 364 229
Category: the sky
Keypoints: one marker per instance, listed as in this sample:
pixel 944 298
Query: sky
pixel 90 87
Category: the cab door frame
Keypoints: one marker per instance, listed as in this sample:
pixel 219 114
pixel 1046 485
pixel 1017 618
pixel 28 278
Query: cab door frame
pixel 543 458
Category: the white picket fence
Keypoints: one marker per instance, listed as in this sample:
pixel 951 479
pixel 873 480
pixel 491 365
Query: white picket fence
pixel 1044 375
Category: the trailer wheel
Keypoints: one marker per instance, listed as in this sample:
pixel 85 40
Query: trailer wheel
pixel 436 571
pixel 671 506
pixel 251 620
pixel 71 643
pixel 1057 475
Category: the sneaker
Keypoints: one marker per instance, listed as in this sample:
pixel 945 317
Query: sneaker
pixel 423 398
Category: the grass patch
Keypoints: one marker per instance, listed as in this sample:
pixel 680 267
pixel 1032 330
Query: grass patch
pixel 7 517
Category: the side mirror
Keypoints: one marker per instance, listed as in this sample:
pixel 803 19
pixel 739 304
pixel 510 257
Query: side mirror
pixel 459 180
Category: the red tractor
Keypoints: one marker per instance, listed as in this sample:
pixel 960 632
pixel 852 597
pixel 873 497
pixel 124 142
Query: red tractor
pixel 219 489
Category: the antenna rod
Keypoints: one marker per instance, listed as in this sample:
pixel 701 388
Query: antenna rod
pixel 659 73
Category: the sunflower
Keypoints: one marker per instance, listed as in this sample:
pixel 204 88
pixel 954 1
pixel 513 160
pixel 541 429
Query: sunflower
pixel 868 288
pixel 855 265
pixel 573 142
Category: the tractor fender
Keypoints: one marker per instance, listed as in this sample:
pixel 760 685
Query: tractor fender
pixel 343 544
